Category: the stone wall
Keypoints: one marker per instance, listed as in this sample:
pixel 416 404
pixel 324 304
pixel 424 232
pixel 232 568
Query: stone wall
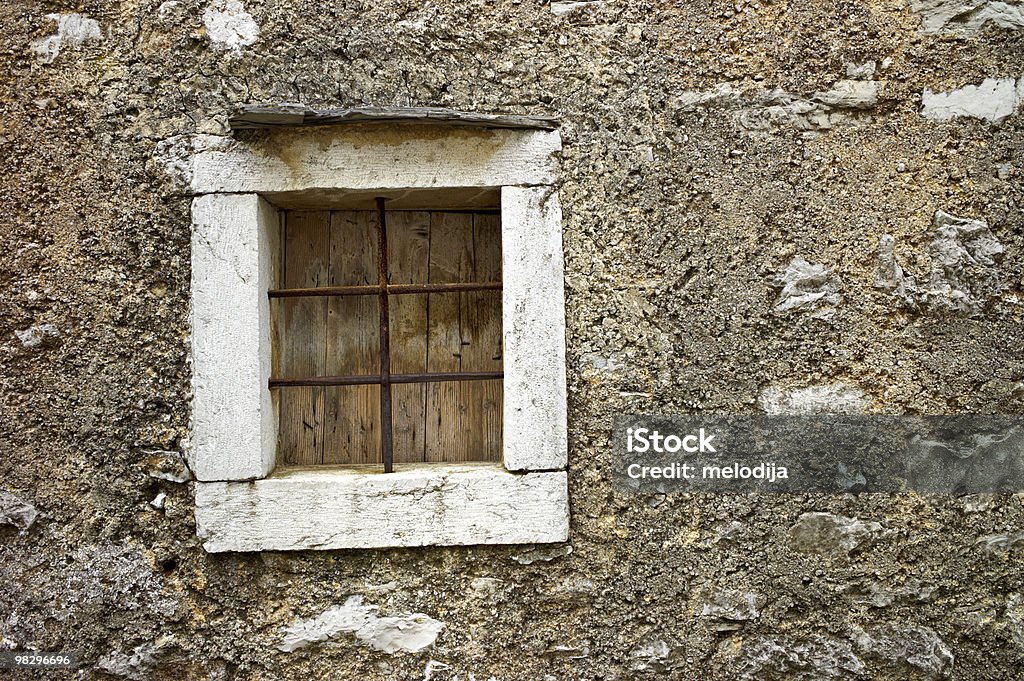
pixel 770 206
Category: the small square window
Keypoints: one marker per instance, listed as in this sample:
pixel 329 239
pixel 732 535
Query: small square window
pixel 438 282
pixel 298 335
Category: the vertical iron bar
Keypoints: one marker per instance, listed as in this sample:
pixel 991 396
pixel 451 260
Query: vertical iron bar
pixel 386 438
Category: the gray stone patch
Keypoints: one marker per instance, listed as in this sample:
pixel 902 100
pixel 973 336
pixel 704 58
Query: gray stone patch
pixel 964 256
pixel 964 271
pixel 850 94
pixel 1001 543
pixel 543 554
pixel 171 10
pixel 828 533
pixel 15 512
pixel 408 633
pixel 559 7
pixel 889 275
pixel 570 652
pixel 879 595
pixel 602 363
pixel 967 17
pixel 721 95
pixel 1015 615
pixel 229 26
pixel 810 659
pixel 994 100
pixel 978 503
pixel 73 30
pixel 652 656
pixel 166 465
pixel 864 71
pixel 909 647
pixel 830 398
pixel 732 531
pixel 117 576
pixel 807 287
pixel 842 104
pixel 728 610
pixel 486 587
pixel 140 662
pixel 40 334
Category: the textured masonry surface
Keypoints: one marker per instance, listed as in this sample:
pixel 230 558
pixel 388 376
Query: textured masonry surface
pixel 706 148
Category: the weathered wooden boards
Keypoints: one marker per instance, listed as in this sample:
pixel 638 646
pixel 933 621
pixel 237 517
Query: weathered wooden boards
pixel 463 419
pixel 300 346
pixel 352 415
pixel 408 260
pixel 448 421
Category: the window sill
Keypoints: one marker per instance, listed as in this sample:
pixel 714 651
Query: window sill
pixel 417 505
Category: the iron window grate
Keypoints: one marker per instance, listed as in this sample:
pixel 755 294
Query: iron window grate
pixel 385 379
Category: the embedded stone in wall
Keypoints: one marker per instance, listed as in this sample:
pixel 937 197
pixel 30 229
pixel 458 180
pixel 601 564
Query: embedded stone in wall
pixel 967 17
pixel 830 398
pixel 828 533
pixel 166 465
pixel 889 275
pixel 845 103
pixel 40 334
pixel 908 647
pixel 73 30
pixel 602 363
pixel 1015 614
pixel 409 633
pixel 15 512
pixel 879 595
pixel 655 655
pixel 816 657
pixel 1001 543
pixel 994 100
pixel 964 274
pixel 728 610
pixel 229 26
pixel 850 94
pixel 807 287
pixel 140 663
pixel 565 6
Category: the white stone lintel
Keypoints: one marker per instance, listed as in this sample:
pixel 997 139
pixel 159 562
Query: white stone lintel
pixel 343 508
pixel 376 156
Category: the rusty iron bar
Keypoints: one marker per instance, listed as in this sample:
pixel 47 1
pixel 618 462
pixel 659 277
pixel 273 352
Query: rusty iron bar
pixel 386 436
pixel 392 289
pixel 435 377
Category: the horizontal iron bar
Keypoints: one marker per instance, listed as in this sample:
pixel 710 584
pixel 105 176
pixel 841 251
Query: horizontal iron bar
pixel 435 377
pixel 373 290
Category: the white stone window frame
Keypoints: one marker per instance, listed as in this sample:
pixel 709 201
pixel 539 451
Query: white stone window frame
pixel 243 503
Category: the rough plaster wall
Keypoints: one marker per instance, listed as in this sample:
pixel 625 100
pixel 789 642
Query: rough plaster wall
pixel 707 146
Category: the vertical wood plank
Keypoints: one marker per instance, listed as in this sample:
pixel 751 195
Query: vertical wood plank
pixel 301 341
pixel 408 251
pixel 449 433
pixel 481 341
pixel 352 413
